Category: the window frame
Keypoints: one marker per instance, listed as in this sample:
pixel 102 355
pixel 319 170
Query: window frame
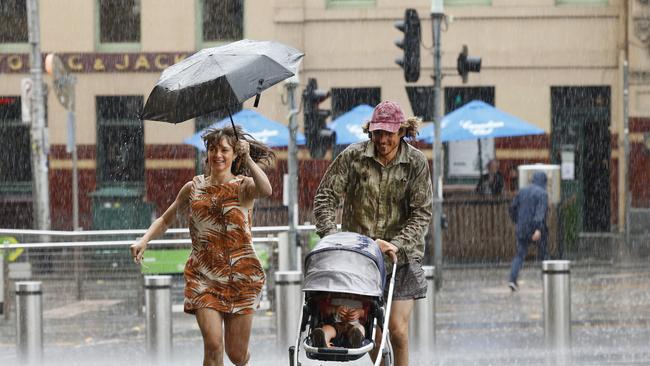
pixel 343 4
pixel 467 2
pixel 581 2
pixel 198 29
pixel 114 46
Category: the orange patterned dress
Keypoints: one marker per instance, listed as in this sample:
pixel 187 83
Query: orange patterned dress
pixel 223 272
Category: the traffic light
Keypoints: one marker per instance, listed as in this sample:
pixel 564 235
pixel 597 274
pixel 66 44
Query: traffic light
pixel 410 62
pixel 319 137
pixel 466 64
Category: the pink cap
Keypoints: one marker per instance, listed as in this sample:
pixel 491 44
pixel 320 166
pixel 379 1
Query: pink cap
pixel 387 116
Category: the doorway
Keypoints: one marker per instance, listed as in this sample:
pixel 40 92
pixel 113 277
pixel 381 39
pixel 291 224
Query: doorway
pixel 580 123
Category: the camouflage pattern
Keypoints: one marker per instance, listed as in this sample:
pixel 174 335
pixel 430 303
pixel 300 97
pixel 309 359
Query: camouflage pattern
pixel 392 203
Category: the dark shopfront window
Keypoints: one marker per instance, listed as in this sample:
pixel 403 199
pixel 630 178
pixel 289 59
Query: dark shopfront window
pixel 120 140
pixel 13 21
pixel 223 20
pixel 119 21
pixel 345 99
pixel 15 162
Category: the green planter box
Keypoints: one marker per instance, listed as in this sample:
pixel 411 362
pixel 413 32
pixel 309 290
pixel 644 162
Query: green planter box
pixel 117 208
pixel 164 261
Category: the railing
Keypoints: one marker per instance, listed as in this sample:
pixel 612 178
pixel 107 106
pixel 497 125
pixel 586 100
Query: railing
pixel 480 229
pixel 97 265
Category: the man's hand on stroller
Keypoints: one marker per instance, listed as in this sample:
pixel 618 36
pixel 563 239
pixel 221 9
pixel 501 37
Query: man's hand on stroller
pixel 388 249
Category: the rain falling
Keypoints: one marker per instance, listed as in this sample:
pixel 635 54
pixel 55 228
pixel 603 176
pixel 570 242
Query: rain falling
pixel 171 167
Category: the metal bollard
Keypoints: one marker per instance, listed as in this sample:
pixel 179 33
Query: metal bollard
pixel 557 304
pixel 422 327
pixel 158 307
pixel 288 297
pixel 29 322
pixel 284 263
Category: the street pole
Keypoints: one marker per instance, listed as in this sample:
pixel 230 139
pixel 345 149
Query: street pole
pixel 72 146
pixel 626 148
pixel 41 200
pixel 64 86
pixel 292 162
pixel 437 14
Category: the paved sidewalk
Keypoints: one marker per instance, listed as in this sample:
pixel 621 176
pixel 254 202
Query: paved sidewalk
pixel 479 322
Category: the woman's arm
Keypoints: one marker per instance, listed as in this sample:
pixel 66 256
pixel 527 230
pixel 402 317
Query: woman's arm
pixel 258 184
pixel 160 225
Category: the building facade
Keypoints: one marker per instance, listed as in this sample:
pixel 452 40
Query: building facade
pixel 558 64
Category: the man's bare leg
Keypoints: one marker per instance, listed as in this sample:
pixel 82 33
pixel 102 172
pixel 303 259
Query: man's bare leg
pixel 400 314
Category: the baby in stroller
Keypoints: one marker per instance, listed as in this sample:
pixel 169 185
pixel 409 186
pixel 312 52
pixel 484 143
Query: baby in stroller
pixel 343 316
pixel 344 302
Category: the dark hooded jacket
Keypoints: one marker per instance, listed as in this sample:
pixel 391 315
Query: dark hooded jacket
pixel 528 209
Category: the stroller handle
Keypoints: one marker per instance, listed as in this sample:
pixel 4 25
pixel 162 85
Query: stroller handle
pixel 389 302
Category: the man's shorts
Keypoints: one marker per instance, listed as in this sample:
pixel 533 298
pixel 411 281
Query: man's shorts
pixel 410 281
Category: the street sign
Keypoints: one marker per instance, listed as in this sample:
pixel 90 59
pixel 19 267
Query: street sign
pixel 26 100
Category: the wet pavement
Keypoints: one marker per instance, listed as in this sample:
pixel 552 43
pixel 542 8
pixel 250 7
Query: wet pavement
pixel 479 322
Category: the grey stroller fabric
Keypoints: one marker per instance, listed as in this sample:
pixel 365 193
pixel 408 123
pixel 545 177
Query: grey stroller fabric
pixel 347 263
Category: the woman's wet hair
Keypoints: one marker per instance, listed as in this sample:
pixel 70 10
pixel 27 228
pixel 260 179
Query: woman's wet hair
pixel 410 128
pixel 259 152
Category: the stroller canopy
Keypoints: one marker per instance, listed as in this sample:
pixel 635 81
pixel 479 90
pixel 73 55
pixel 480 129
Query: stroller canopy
pixel 345 262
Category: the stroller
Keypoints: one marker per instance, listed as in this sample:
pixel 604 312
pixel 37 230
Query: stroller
pixel 349 265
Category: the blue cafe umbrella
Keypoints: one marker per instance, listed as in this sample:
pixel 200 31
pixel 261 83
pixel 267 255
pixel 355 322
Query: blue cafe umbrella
pixel 269 132
pixel 348 126
pixel 479 120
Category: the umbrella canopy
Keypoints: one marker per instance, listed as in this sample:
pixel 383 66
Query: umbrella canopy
pixel 219 77
pixel 267 131
pixel 479 120
pixel 348 125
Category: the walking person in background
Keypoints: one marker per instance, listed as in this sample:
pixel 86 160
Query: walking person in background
pixel 492 181
pixel 223 276
pixel 528 212
pixel 387 194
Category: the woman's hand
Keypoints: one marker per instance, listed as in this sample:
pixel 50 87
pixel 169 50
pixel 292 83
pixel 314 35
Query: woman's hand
pixel 243 149
pixel 137 251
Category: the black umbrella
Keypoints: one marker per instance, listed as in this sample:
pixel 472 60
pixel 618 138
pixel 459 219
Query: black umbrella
pixel 219 78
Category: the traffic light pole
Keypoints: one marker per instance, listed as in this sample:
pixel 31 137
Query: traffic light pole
pixel 41 197
pixel 292 163
pixel 436 224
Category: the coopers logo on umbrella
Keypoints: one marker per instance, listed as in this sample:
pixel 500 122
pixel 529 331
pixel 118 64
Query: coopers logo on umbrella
pixel 357 131
pixel 481 129
pixel 264 135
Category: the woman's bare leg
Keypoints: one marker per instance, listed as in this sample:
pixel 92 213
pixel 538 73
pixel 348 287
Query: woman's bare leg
pixel 237 330
pixel 210 323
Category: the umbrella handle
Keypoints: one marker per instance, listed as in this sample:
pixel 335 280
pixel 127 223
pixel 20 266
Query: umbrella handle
pixel 259 91
pixel 233 124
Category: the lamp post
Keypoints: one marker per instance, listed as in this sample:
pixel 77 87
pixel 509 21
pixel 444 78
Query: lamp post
pixel 437 15
pixel 64 86
pixel 41 200
pixel 292 164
